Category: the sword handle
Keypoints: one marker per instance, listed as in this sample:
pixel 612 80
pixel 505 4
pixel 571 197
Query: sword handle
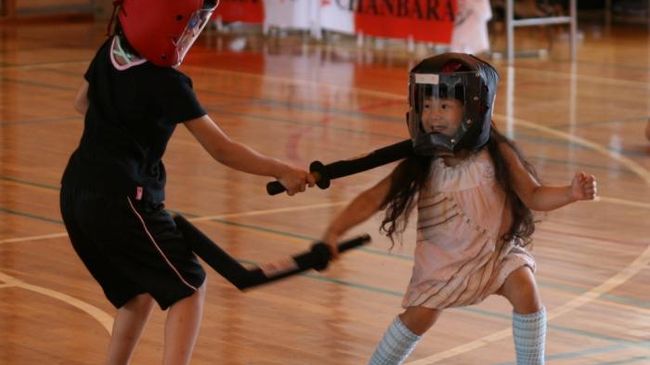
pixel 316 168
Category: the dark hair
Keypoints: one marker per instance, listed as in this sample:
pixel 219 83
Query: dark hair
pixel 411 174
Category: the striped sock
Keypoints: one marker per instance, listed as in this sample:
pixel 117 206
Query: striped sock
pixel 529 332
pixel 395 346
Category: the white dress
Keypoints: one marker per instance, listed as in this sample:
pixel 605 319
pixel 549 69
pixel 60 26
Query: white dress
pixel 459 257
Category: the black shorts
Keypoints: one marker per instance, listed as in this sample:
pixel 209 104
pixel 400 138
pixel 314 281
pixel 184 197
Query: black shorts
pixel 130 247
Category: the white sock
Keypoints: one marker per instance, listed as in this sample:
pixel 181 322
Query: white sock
pixel 529 332
pixel 396 345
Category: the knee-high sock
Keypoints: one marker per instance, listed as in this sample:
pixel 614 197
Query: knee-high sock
pixel 395 346
pixel 529 332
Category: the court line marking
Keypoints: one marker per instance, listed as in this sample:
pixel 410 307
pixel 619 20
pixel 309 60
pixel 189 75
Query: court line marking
pixel 623 275
pixel 390 95
pixel 609 284
pixel 586 297
pixel 197 219
pixel 628 203
pixel 283 210
pixel 99 315
pixel 626 161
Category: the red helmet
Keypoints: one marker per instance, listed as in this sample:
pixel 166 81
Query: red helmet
pixel 162 31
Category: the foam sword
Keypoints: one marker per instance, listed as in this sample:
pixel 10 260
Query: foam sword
pixel 324 174
pixel 316 258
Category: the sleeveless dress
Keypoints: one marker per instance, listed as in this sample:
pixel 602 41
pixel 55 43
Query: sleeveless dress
pixel 459 257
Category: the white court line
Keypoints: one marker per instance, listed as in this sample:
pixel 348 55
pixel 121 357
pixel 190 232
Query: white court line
pixel 621 277
pixel 609 284
pixel 102 317
pixel 289 209
pixel 628 203
pixel 196 219
pixel 627 162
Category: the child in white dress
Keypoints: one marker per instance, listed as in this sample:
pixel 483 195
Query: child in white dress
pixel 474 194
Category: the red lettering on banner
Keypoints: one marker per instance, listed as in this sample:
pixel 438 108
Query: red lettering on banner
pixel 248 11
pixel 424 20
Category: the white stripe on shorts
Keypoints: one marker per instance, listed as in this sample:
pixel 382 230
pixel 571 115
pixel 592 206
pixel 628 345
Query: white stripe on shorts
pixel 153 240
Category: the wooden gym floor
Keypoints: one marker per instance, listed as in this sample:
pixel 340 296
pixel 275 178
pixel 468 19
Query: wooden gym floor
pixel 306 101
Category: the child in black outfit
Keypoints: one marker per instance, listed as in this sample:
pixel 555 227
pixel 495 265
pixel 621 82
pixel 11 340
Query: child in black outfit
pixel 113 187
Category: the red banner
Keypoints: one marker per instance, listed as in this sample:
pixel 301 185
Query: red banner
pixel 424 20
pixel 248 11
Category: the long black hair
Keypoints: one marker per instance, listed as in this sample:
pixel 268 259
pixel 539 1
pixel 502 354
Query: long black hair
pixel 411 175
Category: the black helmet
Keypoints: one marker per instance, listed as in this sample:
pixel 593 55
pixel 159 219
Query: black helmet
pixel 452 75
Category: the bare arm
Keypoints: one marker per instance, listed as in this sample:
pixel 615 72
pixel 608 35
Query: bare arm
pixel 81 100
pixel 364 206
pixel 243 158
pixel 544 198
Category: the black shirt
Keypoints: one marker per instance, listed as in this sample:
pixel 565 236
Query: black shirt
pixel 131 116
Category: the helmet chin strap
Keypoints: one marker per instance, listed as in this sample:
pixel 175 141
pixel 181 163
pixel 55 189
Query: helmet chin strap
pixel 116 5
pixel 122 59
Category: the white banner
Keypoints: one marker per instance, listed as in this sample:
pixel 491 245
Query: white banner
pixel 289 14
pixel 334 18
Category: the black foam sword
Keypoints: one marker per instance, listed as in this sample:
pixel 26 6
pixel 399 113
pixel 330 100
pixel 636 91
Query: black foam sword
pixel 316 258
pixel 324 174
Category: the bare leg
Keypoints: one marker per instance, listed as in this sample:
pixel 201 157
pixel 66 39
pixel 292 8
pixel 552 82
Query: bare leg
pixel 419 319
pixel 521 290
pixel 182 328
pixel 528 317
pixel 127 329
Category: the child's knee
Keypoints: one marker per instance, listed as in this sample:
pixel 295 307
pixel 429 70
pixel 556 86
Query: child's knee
pixel 419 319
pixel 521 290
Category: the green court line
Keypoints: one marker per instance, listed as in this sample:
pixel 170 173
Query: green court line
pixel 379 252
pixel 32 216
